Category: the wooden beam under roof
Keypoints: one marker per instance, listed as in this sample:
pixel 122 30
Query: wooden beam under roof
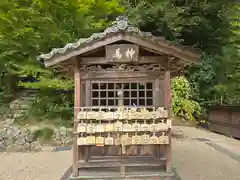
pixel 142 60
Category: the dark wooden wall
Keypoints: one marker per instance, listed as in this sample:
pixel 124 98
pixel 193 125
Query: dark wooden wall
pixel 225 120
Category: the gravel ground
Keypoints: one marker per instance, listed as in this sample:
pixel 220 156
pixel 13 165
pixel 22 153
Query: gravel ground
pixel 192 160
pixel 196 160
pixel 34 166
pixel 224 141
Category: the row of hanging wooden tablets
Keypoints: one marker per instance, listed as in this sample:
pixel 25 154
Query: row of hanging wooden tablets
pixel 124 140
pixel 118 126
pixel 131 114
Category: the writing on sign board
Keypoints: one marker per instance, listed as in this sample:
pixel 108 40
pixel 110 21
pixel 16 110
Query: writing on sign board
pixel 122 53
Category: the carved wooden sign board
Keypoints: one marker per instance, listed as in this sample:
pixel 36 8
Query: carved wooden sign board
pixel 122 53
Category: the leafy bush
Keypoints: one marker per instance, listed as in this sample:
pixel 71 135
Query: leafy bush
pixel 45 133
pixel 182 105
pixel 54 106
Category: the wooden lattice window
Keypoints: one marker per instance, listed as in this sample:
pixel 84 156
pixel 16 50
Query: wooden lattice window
pixel 128 94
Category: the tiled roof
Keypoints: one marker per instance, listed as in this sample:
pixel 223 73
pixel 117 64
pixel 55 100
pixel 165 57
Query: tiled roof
pixel 120 25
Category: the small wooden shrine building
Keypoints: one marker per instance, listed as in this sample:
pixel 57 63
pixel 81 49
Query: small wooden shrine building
pixel 122 100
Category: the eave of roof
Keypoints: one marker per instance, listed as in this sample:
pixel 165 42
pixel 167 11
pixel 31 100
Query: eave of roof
pixel 120 25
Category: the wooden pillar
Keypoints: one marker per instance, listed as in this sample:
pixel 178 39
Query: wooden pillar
pixel 87 149
pixel 167 105
pixel 77 101
pixel 167 90
pixel 157 102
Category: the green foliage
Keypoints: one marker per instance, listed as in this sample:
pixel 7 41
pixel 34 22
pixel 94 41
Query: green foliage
pixel 44 134
pixel 31 27
pixel 216 80
pixel 208 25
pixel 202 78
pixel 182 105
pixel 28 28
pixel 55 83
pixel 228 85
pixel 53 107
pixel 202 24
pixel 8 84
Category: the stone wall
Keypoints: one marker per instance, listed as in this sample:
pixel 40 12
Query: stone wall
pixel 19 107
pixel 14 138
pixel 19 139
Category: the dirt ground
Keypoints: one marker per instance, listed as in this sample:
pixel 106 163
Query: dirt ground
pixel 213 157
